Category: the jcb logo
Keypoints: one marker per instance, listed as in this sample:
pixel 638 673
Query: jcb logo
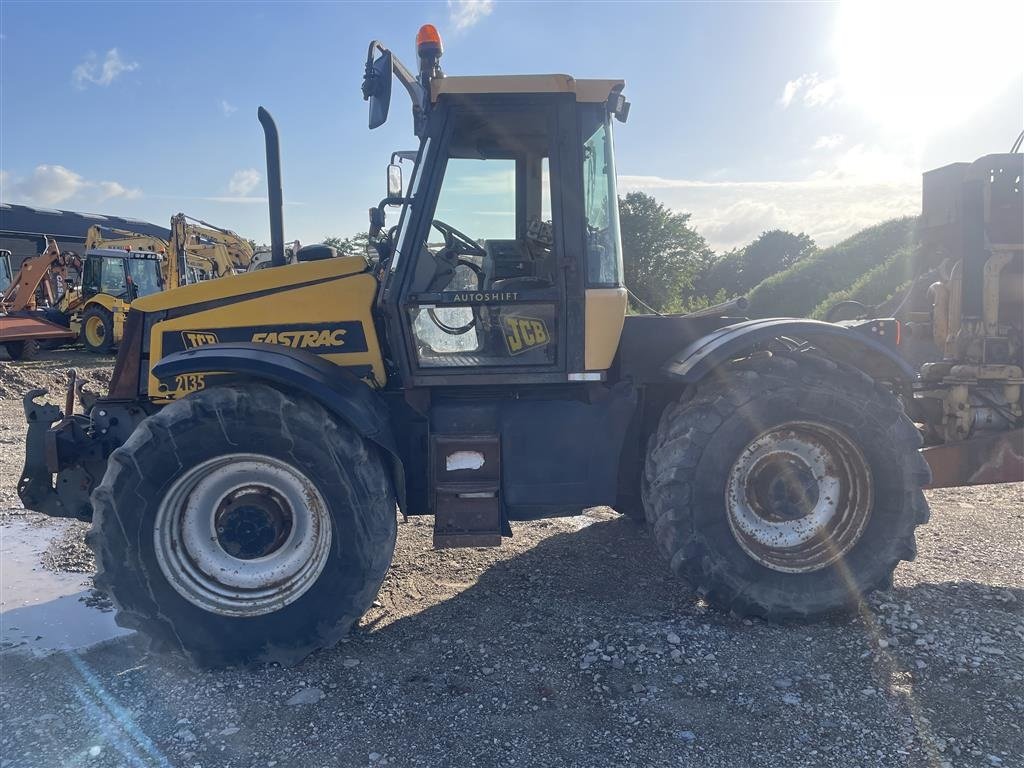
pixel 312 339
pixel 198 338
pixel 524 333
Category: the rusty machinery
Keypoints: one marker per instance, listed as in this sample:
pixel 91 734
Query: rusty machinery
pixel 32 307
pixel 963 320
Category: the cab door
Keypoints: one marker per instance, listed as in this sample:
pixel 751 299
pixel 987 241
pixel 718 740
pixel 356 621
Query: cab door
pixel 489 285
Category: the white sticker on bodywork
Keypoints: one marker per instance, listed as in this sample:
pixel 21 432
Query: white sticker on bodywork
pixel 463 460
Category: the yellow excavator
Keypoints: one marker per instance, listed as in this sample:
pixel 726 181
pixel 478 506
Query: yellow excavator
pixel 230 252
pixel 119 267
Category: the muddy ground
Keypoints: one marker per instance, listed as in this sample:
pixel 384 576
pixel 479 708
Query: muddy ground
pixel 570 645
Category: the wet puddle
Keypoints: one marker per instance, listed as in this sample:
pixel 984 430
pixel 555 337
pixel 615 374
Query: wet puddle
pixel 40 611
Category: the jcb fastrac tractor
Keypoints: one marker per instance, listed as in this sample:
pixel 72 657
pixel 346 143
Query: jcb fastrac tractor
pixel 242 475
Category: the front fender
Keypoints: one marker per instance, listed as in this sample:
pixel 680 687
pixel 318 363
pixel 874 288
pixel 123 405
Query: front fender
pixel 335 388
pixel 859 346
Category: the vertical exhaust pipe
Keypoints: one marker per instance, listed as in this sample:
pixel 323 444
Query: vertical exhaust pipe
pixel 274 194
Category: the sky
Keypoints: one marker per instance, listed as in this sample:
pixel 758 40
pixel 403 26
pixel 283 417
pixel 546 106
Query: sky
pixel 750 116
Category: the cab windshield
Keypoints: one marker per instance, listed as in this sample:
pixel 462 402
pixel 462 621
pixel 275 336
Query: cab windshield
pixel 145 275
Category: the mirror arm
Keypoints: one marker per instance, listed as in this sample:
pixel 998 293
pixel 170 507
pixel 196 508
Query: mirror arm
pixel 377 214
pixel 393 201
pixel 405 77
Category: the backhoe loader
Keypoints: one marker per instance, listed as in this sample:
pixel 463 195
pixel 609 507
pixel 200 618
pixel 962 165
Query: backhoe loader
pixel 121 264
pixel 243 472
pixel 31 302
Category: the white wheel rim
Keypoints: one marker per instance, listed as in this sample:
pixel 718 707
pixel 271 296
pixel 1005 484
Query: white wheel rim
pixel 799 497
pixel 242 534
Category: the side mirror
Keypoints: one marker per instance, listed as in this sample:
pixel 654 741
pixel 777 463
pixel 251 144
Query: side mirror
pixel 377 85
pixel 394 180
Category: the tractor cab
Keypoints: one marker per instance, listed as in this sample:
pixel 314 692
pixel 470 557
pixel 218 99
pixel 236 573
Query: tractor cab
pixel 121 274
pixel 506 256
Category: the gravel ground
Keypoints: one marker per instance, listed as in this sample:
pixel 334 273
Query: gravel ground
pixel 569 645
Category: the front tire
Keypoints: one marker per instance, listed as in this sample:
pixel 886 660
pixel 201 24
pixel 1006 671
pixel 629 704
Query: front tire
pixel 97 330
pixel 243 525
pixel 788 487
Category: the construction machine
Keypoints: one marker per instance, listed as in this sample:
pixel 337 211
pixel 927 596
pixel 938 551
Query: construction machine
pixel 243 472
pixel 229 252
pixel 32 301
pixel 961 320
pixel 263 257
pixel 126 265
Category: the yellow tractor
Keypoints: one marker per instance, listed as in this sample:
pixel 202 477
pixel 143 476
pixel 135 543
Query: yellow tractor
pixel 243 472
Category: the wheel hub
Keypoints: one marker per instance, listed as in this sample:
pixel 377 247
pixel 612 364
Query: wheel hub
pixel 798 497
pixel 253 522
pixel 782 487
pixel 242 534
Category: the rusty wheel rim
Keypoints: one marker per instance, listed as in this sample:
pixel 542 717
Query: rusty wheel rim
pixel 242 534
pixel 798 497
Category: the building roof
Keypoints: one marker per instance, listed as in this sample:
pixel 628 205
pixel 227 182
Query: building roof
pixel 33 221
pixel 23 228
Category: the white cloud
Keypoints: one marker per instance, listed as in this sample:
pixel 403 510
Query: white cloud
pixel 812 90
pixel 91 70
pixel 244 181
pixel 111 189
pixel 463 14
pixel 829 142
pixel 50 185
pixel 227 108
pixel 860 187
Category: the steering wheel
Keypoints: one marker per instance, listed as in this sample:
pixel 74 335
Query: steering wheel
pixel 456 245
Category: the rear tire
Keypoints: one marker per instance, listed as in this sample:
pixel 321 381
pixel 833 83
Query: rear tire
pixel 786 487
pixel 97 330
pixel 22 350
pixel 302 515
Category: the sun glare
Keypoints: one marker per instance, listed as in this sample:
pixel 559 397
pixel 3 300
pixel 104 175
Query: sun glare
pixel 922 67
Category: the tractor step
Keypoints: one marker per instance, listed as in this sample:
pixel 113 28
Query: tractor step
pixel 466 490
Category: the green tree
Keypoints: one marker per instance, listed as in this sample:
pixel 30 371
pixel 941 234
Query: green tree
pixel 662 253
pixel 736 272
pixel 356 245
pixel 796 291
pixel 771 253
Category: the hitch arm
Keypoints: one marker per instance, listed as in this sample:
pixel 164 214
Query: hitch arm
pixel 35 486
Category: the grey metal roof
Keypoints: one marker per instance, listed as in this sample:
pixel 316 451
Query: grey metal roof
pixel 23 227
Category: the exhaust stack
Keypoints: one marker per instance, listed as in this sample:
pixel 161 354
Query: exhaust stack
pixel 274 195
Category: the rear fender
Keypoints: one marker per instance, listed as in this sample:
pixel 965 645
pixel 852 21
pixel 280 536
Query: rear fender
pixel 336 389
pixel 865 346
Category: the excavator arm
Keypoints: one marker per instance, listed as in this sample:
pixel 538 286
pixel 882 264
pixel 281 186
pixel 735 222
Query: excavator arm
pixel 33 277
pixel 231 251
